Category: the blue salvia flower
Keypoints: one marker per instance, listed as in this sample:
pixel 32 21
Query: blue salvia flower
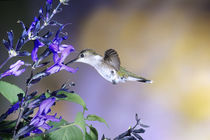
pixel 30 32
pixel 54 45
pixel 10 110
pixel 9 46
pixel 35 26
pixel 14 108
pixel 41 118
pixel 33 29
pixel 49 1
pixel 60 52
pixel 37 44
pixel 21 40
pixel 14 69
pixel 64 51
pixel 36 102
pixel 48 10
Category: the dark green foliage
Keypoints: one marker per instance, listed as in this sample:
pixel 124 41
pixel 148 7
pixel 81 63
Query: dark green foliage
pixel 10 91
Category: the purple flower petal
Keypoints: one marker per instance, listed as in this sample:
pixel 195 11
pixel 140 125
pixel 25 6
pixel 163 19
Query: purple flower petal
pixel 53 118
pixel 37 44
pixel 65 51
pixel 7 73
pixel 17 64
pixel 46 104
pixel 31 28
pixel 46 126
pixel 53 69
pixel 37 131
pixel 41 121
pixel 7 44
pixel 58 67
pixel 34 28
pixel 10 38
pixel 69 69
pixel 38 121
pixel 14 69
pixel 49 1
pixel 19 72
pixel 21 41
pixel 14 108
pixel 26 135
pixel 55 57
pixel 34 54
pixel 54 47
pixel 35 120
pixel 41 118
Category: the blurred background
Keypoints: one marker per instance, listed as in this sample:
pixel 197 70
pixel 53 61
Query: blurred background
pixel 163 40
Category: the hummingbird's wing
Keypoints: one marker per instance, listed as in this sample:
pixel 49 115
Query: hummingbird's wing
pixel 111 57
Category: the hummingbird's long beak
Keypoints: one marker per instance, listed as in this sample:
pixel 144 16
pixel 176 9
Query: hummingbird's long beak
pixel 71 61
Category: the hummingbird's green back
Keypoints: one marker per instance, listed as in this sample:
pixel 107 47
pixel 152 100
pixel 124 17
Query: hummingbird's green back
pixel 124 73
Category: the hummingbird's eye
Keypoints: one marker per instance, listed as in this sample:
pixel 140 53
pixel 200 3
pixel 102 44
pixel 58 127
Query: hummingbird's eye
pixel 112 72
pixel 82 55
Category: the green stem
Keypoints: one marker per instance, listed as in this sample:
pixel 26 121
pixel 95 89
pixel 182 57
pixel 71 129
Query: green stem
pixel 22 108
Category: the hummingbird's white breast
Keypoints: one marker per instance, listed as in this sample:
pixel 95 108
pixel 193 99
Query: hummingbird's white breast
pixel 106 71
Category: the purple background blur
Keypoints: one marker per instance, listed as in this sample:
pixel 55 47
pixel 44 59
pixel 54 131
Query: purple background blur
pixel 167 41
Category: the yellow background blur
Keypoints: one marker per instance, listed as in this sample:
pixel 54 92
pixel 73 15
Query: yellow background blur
pixel 166 41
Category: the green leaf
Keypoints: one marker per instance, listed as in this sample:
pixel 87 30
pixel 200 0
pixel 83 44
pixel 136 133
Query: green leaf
pixel 45 136
pixel 35 137
pixel 92 117
pixel 62 122
pixel 10 91
pixel 68 132
pixel 73 97
pixel 65 132
pixel 80 121
pixel 62 131
pixel 87 136
pixel 47 95
pixel 6 126
pixel 5 136
pixel 93 133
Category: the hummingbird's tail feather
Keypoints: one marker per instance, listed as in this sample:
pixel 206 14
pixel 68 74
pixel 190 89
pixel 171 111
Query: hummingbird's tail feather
pixel 139 79
pixel 145 80
pixel 133 77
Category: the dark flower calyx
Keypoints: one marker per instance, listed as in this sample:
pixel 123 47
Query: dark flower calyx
pixel 140 130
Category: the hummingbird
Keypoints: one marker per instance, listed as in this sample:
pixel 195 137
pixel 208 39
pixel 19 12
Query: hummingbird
pixel 108 66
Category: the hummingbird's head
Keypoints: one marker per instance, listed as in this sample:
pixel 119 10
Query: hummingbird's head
pixel 88 56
